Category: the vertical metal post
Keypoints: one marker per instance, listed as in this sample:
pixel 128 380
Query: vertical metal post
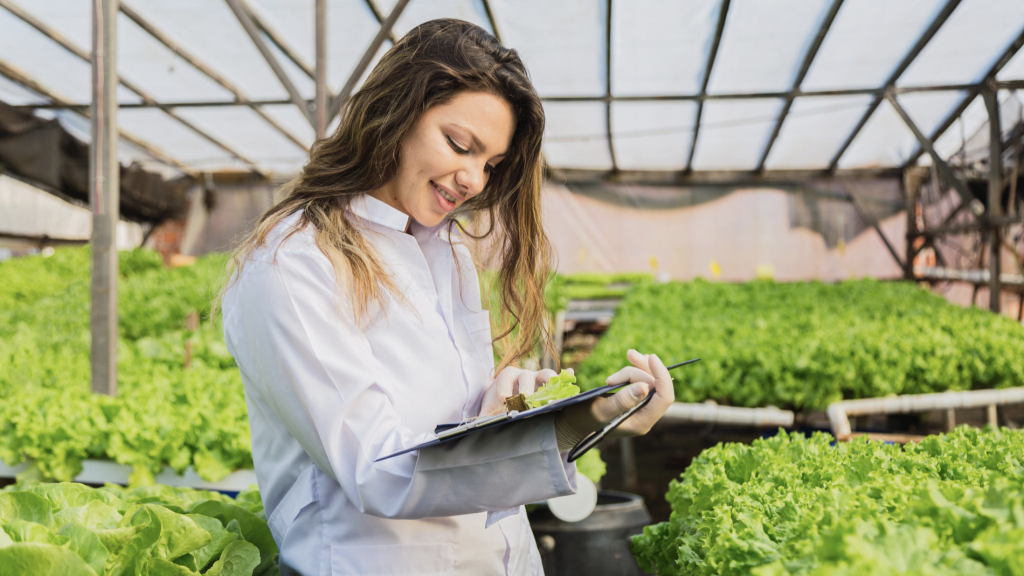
pixel 104 196
pixel 321 68
pixel 627 457
pixel 995 193
pixel 910 193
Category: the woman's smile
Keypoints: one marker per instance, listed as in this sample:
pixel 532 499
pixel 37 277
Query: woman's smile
pixel 445 199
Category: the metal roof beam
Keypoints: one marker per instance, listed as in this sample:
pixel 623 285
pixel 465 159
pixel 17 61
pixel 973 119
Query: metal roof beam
pixel 138 105
pixel 18 77
pixel 937 23
pixel 608 83
pixel 245 18
pixel 490 18
pixel 364 63
pixel 714 177
pixel 82 54
pixel 880 92
pixel 812 51
pixel 282 45
pixel 722 13
pixel 926 144
pixel 159 36
pixel 391 35
pixel 989 77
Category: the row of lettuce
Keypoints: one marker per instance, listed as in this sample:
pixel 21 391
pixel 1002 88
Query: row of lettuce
pixel 805 345
pixel 800 345
pixel 70 529
pixel 791 505
pixel 162 415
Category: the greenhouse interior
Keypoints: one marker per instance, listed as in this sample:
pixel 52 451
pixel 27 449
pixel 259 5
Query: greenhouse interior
pixel 821 200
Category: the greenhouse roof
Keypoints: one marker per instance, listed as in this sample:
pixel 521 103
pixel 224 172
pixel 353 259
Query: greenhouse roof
pixel 686 87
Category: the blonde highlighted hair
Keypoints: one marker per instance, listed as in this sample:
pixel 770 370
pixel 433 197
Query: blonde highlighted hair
pixel 430 65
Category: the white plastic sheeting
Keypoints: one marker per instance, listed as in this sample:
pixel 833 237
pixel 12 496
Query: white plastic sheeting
pixel 28 213
pixel 655 50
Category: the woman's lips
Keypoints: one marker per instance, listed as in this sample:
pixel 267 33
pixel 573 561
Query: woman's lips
pixel 445 204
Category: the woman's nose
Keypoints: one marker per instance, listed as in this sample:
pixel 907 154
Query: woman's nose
pixel 471 179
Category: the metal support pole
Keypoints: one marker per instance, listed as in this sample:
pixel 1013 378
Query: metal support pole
pixel 910 193
pixel 995 193
pixel 364 63
pixel 608 85
pixel 321 68
pixel 104 196
pixel 627 456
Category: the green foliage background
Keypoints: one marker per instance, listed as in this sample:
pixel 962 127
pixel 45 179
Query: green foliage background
pixel 805 345
pixel 790 505
pixel 73 530
pixel 162 415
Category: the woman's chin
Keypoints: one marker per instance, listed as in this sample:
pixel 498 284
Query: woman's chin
pixel 429 219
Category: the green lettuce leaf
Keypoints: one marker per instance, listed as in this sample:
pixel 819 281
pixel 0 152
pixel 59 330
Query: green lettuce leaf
pixel 24 506
pixel 95 516
pixel 240 558
pixel 87 545
pixel 34 559
pixel 559 387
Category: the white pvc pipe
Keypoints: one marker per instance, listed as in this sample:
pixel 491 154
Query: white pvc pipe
pixel 839 412
pixel 680 412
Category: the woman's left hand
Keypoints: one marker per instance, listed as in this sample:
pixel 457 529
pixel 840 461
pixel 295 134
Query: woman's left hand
pixel 512 382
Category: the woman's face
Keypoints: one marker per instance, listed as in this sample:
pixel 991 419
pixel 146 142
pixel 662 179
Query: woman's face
pixel 448 156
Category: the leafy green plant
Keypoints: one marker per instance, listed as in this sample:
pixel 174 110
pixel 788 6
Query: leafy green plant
pixel 73 530
pixel 805 345
pixel 162 415
pixel 591 465
pixel 790 505
pixel 596 286
pixel 558 388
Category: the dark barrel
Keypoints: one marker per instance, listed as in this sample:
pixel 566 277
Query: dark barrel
pixel 595 546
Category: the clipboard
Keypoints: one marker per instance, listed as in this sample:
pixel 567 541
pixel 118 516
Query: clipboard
pixel 449 432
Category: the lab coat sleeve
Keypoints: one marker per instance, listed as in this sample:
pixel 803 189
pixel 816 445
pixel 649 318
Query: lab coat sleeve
pixel 316 370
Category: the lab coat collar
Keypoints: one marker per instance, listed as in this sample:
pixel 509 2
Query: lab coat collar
pixel 369 208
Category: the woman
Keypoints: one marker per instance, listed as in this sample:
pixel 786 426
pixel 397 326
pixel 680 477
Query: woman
pixel 355 316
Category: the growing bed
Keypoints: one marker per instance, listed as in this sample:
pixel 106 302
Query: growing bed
pixel 805 345
pixel 163 416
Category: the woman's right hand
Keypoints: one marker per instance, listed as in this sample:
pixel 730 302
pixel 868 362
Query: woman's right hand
pixel 647 370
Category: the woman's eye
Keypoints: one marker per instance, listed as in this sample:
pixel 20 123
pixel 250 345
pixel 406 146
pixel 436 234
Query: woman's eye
pixel 488 168
pixel 455 146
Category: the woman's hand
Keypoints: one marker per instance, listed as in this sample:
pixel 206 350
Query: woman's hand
pixel 512 382
pixel 576 422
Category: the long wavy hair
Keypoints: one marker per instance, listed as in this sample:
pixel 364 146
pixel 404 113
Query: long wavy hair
pixel 429 66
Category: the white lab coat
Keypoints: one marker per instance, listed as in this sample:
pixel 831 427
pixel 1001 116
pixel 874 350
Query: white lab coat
pixel 327 398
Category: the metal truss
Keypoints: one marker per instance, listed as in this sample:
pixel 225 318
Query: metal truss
pixel 325 106
pixel 82 54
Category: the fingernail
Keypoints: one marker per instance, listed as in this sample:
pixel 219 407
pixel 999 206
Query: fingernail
pixel 636 391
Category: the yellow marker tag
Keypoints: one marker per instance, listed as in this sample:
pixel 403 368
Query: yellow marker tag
pixel 765 272
pixel 654 262
pixel 842 247
pixel 583 255
pixel 716 270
